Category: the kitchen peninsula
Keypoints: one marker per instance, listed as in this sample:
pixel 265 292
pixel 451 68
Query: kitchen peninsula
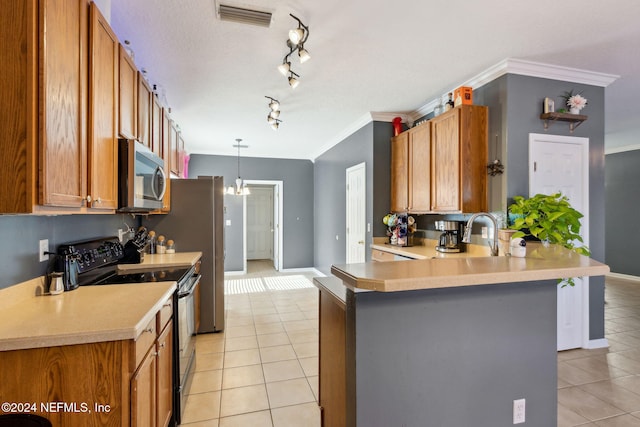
pixel 443 342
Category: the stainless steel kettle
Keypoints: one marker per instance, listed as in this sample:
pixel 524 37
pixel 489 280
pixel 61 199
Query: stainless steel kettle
pixel 56 284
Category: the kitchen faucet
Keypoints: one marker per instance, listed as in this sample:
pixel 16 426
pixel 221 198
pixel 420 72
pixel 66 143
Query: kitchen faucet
pixel 467 231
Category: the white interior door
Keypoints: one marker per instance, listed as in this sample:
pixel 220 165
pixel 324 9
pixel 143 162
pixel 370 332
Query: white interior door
pixel 356 213
pixel 560 163
pixel 260 223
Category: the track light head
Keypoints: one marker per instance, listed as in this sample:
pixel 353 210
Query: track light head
pixel 303 54
pixel 270 120
pixel 296 35
pixel 284 67
pixel 274 113
pixel 274 104
pixel 275 125
pixel 293 81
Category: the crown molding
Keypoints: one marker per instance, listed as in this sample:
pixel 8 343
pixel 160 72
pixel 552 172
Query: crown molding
pixel 623 149
pixel 506 66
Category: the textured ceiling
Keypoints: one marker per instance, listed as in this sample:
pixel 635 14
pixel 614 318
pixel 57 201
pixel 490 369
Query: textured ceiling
pixel 366 56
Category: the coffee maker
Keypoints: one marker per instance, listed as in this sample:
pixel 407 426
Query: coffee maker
pixel 450 240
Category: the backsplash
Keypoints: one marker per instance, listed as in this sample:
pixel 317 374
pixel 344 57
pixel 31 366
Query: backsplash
pixel 20 235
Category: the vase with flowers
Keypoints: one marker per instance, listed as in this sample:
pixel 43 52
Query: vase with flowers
pixel 575 102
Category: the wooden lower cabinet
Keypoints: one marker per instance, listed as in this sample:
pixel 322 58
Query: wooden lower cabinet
pixel 333 363
pixel 143 392
pixel 111 384
pixel 164 376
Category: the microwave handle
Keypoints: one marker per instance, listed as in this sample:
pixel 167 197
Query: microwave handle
pixel 159 171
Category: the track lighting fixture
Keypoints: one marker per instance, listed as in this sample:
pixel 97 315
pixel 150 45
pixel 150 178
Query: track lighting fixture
pixel 295 42
pixel 272 117
pixel 293 82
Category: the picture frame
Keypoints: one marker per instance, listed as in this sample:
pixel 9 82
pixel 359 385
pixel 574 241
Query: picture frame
pixel 548 106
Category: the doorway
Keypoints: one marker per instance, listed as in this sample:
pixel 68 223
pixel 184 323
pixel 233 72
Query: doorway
pixel 356 213
pixel 262 219
pixel 561 163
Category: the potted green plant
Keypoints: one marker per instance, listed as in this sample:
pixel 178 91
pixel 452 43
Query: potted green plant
pixel 550 218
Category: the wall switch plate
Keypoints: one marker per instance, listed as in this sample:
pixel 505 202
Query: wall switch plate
pixel 485 233
pixel 120 234
pixel 43 248
pixel 227 222
pixel 518 411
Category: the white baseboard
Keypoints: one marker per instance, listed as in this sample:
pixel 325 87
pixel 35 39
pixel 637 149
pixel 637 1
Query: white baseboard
pixel 599 343
pixel 624 277
pixel 234 273
pixel 303 270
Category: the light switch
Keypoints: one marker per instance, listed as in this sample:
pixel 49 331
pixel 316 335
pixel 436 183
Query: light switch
pixel 227 222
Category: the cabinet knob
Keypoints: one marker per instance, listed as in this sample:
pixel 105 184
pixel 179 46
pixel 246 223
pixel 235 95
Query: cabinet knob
pixel 98 200
pixel 87 199
pixel 149 330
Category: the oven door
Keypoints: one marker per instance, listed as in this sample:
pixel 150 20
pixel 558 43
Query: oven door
pixel 186 341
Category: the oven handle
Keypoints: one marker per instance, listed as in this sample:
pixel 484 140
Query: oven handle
pixel 193 281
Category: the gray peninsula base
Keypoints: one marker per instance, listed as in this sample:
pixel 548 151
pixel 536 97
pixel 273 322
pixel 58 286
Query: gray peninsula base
pixel 452 357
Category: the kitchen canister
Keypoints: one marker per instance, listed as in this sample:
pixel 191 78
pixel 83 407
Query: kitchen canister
pixel 518 247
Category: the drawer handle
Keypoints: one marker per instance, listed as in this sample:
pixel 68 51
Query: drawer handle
pixel 149 330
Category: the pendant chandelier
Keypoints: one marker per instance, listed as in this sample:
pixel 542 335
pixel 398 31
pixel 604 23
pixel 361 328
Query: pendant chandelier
pixel 240 188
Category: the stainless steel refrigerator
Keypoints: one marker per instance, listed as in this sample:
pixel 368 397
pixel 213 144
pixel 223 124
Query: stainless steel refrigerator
pixel 195 223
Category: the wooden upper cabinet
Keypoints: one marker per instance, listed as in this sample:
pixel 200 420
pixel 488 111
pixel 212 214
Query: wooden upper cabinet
pixel 128 96
pixel 156 125
pixel 174 157
pixel 410 170
pixel 400 172
pixel 445 171
pixel 144 111
pixel 459 160
pixel 103 123
pixel 166 156
pixel 44 104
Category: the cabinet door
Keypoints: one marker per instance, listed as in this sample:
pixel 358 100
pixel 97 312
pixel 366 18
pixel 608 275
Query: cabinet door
pixel 143 392
pixel 180 155
pixel 103 123
pixel 419 169
pixel 128 96
pixel 63 102
pixel 144 111
pixel 164 381
pixel 173 148
pixel 445 162
pixel 166 156
pixel 156 126
pixel 400 172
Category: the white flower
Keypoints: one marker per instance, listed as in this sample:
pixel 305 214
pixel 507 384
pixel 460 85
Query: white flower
pixel 577 101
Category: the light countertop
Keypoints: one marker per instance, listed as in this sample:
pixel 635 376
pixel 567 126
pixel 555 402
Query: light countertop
pixel 426 249
pixel 178 259
pixel 87 314
pixel 541 263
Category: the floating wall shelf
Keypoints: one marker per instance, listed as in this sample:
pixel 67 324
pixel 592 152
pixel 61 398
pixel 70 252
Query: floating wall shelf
pixel 574 120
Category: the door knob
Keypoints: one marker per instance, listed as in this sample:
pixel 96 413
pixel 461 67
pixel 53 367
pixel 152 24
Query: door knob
pixel 361 242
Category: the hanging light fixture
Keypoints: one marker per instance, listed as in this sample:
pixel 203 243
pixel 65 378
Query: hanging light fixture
pixel 240 189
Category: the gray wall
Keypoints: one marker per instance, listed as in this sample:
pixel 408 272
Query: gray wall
pixel 370 144
pixel 297 177
pixel 622 177
pixel 21 233
pixel 517 101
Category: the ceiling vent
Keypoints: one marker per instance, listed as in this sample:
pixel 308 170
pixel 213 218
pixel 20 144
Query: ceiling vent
pixel 244 16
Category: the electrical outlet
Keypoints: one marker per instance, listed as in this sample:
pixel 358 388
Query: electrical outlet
pixel 120 234
pixel 43 247
pixel 485 232
pixel 518 411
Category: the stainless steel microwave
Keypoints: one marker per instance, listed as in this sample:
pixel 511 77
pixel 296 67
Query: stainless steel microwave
pixel 142 180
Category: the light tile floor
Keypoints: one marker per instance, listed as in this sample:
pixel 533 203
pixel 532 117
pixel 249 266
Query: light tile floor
pixel 263 370
pixel 602 387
